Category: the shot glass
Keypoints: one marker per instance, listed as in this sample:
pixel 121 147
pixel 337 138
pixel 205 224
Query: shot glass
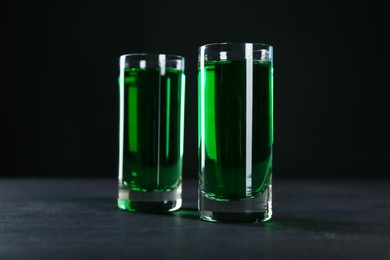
pixel 235 95
pixel 151 125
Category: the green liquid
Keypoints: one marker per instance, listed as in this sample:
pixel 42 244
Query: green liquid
pixel 223 134
pixel 153 121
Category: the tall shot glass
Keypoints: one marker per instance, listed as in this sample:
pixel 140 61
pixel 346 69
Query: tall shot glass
pixel 151 131
pixel 235 95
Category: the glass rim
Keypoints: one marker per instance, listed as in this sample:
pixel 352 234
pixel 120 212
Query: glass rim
pixel 235 44
pixel 152 56
pixel 152 60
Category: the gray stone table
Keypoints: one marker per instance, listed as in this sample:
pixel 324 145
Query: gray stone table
pixel 78 219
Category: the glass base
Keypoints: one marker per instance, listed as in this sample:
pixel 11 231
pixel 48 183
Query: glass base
pixel 257 209
pixel 164 201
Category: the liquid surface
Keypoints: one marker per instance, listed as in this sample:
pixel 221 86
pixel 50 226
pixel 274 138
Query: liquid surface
pixel 235 147
pixel 152 129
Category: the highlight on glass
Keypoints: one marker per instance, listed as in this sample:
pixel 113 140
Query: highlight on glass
pixel 235 110
pixel 151 132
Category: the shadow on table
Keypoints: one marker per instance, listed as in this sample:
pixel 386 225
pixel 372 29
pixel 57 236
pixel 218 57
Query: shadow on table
pixel 187 213
pixel 318 226
pixel 286 222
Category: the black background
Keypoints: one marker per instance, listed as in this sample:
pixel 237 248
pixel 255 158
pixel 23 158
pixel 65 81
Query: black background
pixel 59 93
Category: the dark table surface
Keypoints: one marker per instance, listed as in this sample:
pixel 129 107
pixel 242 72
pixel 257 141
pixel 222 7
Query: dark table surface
pixel 78 219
